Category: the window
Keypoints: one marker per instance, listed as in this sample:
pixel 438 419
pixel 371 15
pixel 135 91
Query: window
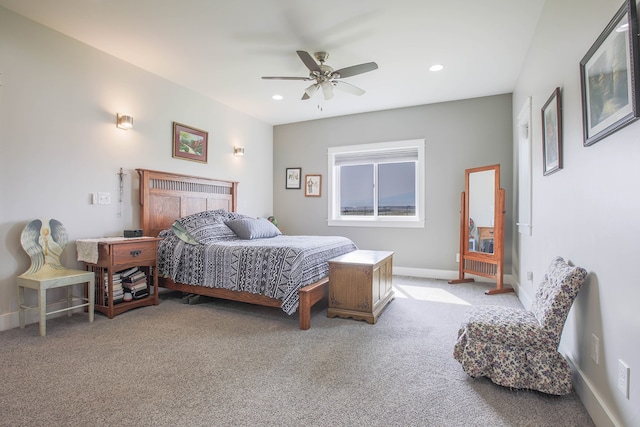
pixel 377 184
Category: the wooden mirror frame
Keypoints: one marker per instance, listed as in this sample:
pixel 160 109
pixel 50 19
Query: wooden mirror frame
pixel 483 263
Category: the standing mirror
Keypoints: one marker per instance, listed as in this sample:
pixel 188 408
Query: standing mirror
pixel 482 227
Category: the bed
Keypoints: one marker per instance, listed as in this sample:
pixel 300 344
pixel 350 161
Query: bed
pixel 288 272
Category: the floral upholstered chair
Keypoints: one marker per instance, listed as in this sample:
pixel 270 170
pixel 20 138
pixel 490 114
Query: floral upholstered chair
pixel 519 348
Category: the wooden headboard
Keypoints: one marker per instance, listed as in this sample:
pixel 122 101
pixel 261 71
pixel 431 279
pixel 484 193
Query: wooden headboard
pixel 165 197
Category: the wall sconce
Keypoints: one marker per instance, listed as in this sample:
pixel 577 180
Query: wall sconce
pixel 123 121
pixel 238 151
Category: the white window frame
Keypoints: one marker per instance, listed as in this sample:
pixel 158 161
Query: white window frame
pixel 333 185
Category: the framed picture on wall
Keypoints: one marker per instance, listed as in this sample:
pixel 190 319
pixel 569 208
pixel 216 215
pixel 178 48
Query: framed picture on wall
pixel 552 133
pixel 609 77
pixel 293 178
pixel 190 143
pixel 313 185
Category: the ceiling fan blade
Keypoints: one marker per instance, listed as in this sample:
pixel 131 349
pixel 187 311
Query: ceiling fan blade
pixel 354 70
pixel 308 60
pixel 305 96
pixel 327 90
pixel 346 87
pixel 287 78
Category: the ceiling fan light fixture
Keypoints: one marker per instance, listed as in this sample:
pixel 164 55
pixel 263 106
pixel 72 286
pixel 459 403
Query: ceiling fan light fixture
pixel 327 89
pixel 311 90
pixel 277 97
pixel 436 67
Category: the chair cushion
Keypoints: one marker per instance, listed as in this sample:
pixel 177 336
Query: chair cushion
pixel 506 325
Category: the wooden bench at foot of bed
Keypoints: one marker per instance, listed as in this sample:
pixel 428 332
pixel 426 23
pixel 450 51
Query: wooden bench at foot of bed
pixel 309 295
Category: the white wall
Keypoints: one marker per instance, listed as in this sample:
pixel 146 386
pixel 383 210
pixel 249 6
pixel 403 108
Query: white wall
pixel 586 212
pixel 458 135
pixel 59 142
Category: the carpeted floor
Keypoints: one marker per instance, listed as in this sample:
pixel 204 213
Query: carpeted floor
pixel 222 363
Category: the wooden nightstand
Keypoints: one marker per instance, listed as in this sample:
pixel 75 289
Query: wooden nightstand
pixel 118 255
pixel 360 284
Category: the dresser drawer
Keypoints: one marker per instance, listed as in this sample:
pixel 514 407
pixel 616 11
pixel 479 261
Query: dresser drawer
pixel 138 252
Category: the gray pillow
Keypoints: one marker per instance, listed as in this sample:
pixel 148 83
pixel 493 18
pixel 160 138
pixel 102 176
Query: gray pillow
pixel 251 228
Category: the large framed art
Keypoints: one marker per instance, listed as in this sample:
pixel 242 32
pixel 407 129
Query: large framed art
pixel 609 77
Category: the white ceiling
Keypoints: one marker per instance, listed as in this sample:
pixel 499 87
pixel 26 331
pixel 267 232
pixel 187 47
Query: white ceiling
pixel 221 48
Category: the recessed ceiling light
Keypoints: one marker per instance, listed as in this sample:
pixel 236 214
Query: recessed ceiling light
pixel 436 67
pixel 277 97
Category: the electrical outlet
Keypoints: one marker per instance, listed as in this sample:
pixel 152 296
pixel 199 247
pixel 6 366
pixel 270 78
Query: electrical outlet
pixel 529 275
pixel 595 348
pixel 623 378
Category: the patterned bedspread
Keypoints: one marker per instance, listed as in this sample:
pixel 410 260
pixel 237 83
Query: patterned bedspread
pixel 276 267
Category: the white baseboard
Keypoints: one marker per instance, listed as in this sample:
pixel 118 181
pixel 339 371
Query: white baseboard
pixel 11 320
pixel 590 398
pixel 442 274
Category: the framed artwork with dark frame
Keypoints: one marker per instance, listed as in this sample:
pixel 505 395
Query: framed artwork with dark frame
pixel 313 185
pixel 552 133
pixel 609 77
pixel 293 178
pixel 190 143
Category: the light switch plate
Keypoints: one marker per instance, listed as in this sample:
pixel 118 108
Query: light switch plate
pixel 104 198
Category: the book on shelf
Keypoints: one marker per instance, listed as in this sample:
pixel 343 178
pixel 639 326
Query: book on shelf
pixel 117 294
pixel 116 280
pixel 135 277
pixel 129 272
pixel 139 294
pixel 116 287
pixel 135 286
pixel 135 282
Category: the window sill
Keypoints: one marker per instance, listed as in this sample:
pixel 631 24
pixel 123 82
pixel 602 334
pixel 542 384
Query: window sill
pixel 375 223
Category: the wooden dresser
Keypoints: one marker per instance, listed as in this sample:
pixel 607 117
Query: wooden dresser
pixel 360 284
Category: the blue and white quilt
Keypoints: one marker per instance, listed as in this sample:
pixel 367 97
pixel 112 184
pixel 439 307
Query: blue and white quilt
pixel 276 267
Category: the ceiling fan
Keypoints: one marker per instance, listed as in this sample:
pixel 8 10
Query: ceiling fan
pixel 325 77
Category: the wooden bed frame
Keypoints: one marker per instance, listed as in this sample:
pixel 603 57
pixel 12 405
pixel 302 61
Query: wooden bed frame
pixel 165 197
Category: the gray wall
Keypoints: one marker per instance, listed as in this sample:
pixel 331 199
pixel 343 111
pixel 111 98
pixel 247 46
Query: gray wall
pixel 458 135
pixel 586 212
pixel 59 142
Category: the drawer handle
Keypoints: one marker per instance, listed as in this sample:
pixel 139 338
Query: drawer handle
pixel 135 253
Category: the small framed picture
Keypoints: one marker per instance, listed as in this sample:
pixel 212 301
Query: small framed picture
pixel 312 185
pixel 190 143
pixel 552 133
pixel 293 178
pixel 609 75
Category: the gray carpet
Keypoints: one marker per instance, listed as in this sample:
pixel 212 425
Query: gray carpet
pixel 223 363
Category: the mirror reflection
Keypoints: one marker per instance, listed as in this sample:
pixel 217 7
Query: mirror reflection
pixel 481 211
